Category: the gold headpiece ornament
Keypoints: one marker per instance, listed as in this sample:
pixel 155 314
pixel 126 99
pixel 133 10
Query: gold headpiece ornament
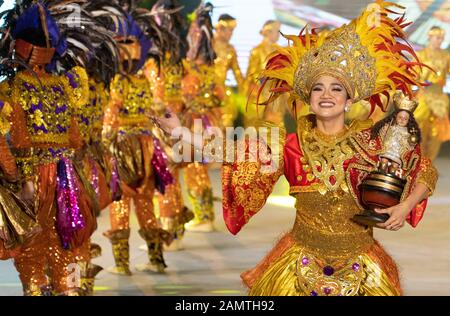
pixel 367 56
pixel 436 31
pixel 402 102
pixel 228 24
pixel 274 25
pixel 342 56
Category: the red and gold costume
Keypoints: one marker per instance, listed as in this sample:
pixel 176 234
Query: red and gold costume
pixel 326 252
pixel 433 110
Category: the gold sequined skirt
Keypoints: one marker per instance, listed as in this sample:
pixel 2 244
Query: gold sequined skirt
pixel 288 270
pixel 128 151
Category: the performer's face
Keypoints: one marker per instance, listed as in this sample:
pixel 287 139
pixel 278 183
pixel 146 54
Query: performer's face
pixel 402 118
pixel 435 41
pixel 272 34
pixel 224 33
pixel 328 98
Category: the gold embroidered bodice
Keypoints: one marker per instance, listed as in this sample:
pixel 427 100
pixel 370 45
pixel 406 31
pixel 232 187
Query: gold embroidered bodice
pixel 324 155
pixel 133 97
pixel 323 226
pixel 173 75
pixel 44 113
pixel 324 209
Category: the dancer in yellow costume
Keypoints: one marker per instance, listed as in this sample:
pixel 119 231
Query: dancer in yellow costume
pixel 326 253
pixel 433 110
pixel 227 60
pixel 256 63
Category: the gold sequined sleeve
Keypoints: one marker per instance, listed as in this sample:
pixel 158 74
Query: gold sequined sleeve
pixel 427 175
pixel 247 184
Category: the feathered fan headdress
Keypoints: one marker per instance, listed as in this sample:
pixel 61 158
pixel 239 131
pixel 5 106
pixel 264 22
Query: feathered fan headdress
pixel 370 56
pixel 105 63
pixel 64 26
pixel 141 27
pixel 168 16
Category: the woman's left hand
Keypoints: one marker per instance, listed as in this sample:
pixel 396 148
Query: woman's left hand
pixel 397 216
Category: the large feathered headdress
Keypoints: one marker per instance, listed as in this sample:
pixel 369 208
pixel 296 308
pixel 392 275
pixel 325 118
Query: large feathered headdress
pixel 141 27
pixel 105 63
pixel 370 57
pixel 168 16
pixel 62 26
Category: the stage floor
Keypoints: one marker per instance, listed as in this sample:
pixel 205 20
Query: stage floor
pixel 212 262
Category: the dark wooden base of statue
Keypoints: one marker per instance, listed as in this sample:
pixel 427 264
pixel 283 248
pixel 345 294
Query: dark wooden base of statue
pixel 379 190
pixel 370 218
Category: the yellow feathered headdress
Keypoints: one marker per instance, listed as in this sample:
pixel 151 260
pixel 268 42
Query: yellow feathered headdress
pixel 370 56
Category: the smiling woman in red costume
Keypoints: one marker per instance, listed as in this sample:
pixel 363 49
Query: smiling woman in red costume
pixel 327 253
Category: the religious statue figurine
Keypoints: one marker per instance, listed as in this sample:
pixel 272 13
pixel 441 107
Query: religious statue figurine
pixel 400 134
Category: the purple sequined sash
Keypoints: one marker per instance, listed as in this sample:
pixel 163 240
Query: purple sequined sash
pixel 159 163
pixel 68 217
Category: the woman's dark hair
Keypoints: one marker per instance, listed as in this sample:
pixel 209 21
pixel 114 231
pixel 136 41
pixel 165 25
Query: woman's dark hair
pixel 413 127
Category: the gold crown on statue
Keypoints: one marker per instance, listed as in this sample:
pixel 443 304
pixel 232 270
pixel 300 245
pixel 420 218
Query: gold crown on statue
pixel 402 102
pixel 341 56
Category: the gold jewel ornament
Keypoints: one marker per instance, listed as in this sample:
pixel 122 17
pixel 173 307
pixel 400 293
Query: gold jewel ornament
pixel 231 24
pixel 342 56
pixel 318 280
